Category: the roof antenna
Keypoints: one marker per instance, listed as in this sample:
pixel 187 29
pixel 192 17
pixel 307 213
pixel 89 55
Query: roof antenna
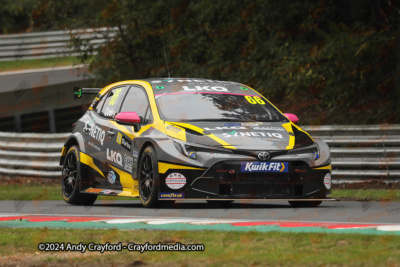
pixel 166 60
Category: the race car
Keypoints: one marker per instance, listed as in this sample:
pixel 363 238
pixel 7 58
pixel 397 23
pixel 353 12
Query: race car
pixel 190 139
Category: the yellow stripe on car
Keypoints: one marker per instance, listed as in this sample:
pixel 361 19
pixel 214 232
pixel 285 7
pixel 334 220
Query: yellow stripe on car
pixel 212 136
pixel 164 167
pixel 327 167
pixel 288 128
pixel 88 160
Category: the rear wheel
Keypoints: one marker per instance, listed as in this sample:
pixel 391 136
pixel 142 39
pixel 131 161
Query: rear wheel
pixel 148 178
pixel 70 179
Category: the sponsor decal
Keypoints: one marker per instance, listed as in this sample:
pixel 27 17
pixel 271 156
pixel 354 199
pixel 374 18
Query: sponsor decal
pixel 90 143
pixel 328 181
pixel 109 112
pixel 94 131
pixel 243 124
pixel 114 156
pixel 269 128
pixel 252 134
pixel 135 153
pixel 128 163
pixel 257 166
pixel 124 142
pixel 119 137
pixel 94 102
pixel 192 154
pixel 111 178
pixel 234 127
pixel 94 190
pixel 205 88
pixel 171 195
pixel 172 128
pixel 111 192
pixel 220 154
pixel 316 155
pixel 192 81
pixel 175 180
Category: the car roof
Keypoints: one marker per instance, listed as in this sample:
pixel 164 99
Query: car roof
pixel 163 86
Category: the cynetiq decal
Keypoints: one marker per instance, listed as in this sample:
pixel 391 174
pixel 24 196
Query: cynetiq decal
pixel 251 134
pixel 257 166
pixel 171 195
pixel 94 131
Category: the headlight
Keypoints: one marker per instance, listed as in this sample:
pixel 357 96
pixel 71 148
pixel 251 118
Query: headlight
pixel 190 150
pixel 313 149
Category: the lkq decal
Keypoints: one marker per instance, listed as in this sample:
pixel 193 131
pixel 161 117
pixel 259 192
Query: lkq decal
pixel 128 163
pixel 124 142
pixel 252 134
pixel 205 88
pixel 114 156
pixel 94 131
pixel 257 166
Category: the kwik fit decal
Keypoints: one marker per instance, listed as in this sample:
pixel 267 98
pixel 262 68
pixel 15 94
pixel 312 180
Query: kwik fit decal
pixel 258 166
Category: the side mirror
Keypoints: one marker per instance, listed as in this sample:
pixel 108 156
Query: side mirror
pixel 129 118
pixel 292 117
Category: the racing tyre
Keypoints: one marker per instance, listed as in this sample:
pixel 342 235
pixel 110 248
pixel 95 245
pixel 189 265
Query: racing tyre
pixel 70 179
pixel 148 178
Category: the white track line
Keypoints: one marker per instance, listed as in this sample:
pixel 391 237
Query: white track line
pixel 389 228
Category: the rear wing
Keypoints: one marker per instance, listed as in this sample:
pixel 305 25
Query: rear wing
pixel 79 91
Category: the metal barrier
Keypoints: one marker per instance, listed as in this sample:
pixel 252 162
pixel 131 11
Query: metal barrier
pixel 359 153
pixel 49 44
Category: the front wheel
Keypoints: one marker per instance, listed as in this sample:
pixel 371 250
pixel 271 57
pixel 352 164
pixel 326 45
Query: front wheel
pixel 148 178
pixel 70 179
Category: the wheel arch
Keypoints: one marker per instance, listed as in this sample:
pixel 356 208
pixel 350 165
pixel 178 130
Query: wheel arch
pixel 73 139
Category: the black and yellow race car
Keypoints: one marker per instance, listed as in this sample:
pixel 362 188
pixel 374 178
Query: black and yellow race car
pixel 181 138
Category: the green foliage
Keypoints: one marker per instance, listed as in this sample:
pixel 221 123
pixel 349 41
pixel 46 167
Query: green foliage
pixel 331 61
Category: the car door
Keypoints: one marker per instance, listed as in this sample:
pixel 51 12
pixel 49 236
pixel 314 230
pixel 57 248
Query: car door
pixel 110 160
pixel 135 100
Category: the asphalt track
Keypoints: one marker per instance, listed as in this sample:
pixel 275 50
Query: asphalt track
pixel 329 211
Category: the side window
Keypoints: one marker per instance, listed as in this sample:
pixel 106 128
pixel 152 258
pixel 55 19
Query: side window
pixel 99 104
pixel 136 101
pixel 112 102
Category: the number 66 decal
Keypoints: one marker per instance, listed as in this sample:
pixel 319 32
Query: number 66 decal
pixel 254 100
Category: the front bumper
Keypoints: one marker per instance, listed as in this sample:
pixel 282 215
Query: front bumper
pixel 227 180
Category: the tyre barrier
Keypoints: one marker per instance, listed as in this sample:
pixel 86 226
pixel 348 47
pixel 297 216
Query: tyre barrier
pixel 359 153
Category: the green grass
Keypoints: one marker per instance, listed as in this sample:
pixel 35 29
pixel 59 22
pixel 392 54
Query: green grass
pixel 367 194
pixel 37 63
pixel 221 248
pixel 40 192
pixel 53 192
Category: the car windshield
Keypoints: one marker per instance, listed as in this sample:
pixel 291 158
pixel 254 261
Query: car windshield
pixel 182 107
